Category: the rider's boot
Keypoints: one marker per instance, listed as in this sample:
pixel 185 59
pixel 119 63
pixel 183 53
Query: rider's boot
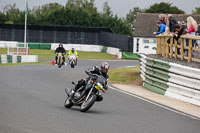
pixel 71 95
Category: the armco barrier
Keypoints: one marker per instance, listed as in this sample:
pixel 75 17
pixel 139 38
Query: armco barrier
pixel 171 79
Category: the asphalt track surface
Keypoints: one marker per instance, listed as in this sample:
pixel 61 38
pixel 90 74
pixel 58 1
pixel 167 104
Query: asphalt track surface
pixel 32 101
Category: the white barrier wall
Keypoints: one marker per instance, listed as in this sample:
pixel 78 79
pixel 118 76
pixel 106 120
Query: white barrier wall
pixel 18 58
pixel 113 51
pixel 183 93
pixel 186 71
pixel 88 48
pixel 29 58
pixel 5 44
pixel 79 47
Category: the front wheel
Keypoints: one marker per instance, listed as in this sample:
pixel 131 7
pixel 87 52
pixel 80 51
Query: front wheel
pixel 68 103
pixel 72 65
pixel 88 104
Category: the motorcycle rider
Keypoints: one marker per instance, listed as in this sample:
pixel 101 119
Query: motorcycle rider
pixel 60 49
pixel 73 51
pixel 93 72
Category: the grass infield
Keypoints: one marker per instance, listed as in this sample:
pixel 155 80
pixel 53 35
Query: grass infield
pixel 125 75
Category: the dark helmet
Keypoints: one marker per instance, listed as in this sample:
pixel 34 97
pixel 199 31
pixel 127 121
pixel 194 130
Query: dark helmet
pixel 104 66
pixel 60 45
pixel 73 49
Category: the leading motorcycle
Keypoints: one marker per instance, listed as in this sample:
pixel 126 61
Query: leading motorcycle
pixel 88 94
pixel 60 60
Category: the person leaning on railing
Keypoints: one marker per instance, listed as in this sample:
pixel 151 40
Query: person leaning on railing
pixel 198 34
pixel 180 30
pixel 161 27
pixel 172 23
pixel 191 30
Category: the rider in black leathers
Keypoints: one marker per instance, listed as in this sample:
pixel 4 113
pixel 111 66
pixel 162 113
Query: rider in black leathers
pixel 62 50
pixel 93 72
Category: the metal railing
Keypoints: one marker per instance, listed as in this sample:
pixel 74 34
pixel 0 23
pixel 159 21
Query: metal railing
pixel 20 49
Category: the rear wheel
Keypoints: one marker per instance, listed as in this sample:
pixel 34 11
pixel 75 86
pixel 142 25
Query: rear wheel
pixel 88 104
pixel 68 103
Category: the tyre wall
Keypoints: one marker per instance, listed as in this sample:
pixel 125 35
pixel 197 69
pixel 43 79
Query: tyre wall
pixel 171 79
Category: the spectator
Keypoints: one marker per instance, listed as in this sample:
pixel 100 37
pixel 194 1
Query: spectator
pixel 162 18
pixel 191 25
pixel 167 24
pixel 179 23
pixel 161 27
pixel 180 30
pixel 184 26
pixel 198 34
pixel 172 23
pixel 191 30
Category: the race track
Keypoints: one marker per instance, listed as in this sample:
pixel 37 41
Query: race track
pixel 32 101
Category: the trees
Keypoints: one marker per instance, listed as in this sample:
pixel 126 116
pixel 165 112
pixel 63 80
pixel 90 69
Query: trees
pixel 12 13
pixel 196 11
pixel 164 8
pixel 81 13
pixel 106 9
pixel 131 16
pixel 3 18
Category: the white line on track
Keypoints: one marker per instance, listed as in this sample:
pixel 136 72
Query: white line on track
pixel 154 103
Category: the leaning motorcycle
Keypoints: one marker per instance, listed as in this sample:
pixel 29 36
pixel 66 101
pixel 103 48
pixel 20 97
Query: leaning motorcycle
pixel 72 60
pixel 87 95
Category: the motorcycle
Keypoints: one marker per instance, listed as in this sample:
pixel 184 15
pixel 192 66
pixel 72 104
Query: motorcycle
pixel 60 60
pixel 72 60
pixel 86 95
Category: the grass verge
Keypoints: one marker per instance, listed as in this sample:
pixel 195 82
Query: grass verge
pixel 49 55
pixel 125 75
pixel 3 51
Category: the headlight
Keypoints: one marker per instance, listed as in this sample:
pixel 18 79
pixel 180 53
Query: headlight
pixel 99 86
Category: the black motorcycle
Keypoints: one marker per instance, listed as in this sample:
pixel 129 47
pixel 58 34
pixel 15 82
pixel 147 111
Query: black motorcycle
pixel 86 95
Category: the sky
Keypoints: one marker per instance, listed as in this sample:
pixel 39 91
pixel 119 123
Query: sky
pixel 119 7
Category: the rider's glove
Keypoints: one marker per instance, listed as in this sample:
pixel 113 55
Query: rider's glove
pixel 106 87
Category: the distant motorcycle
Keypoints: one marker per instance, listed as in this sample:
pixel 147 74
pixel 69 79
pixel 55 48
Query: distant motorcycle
pixel 72 60
pixel 60 60
pixel 86 95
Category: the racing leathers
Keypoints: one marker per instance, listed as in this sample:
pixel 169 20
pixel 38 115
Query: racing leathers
pixel 73 52
pixel 93 72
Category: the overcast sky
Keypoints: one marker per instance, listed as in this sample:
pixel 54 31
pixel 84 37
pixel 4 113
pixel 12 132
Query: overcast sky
pixel 119 7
